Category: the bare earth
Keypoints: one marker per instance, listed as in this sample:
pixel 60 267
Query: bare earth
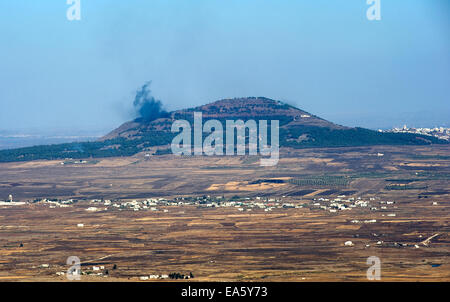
pixel 225 243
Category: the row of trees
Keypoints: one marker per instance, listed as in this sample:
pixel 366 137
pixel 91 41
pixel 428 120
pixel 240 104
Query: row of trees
pixel 327 137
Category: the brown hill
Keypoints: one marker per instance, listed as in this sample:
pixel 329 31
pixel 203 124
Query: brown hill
pixel 237 108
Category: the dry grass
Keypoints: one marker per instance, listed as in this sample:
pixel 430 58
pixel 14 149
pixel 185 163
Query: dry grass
pixel 223 244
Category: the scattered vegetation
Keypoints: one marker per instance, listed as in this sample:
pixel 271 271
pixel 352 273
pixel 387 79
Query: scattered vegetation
pixel 109 148
pixel 327 137
pixel 404 187
pixel 321 181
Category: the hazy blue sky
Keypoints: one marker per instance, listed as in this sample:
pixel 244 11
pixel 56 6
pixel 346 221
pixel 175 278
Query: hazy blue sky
pixel 322 56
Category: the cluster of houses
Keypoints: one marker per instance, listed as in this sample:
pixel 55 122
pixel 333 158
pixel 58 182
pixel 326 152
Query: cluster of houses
pixel 135 205
pixel 10 202
pixel 169 276
pixel 247 204
pixel 153 277
pixel 439 132
pixel 91 271
pixel 155 204
pixel 341 203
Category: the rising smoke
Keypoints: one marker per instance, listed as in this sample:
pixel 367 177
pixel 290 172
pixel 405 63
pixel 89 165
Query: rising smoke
pixel 146 106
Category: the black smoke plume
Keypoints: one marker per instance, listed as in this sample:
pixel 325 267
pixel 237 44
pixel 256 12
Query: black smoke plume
pixel 147 107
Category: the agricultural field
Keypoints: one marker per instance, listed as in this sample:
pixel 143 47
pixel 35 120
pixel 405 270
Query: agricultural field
pixel 228 219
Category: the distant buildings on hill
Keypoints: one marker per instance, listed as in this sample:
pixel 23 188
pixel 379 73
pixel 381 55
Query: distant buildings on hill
pixel 439 132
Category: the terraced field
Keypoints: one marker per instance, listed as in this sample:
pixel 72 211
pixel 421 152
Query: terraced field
pixel 303 243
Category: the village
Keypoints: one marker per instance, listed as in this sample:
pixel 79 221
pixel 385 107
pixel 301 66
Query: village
pixel 439 132
pixel 363 220
pixel 247 204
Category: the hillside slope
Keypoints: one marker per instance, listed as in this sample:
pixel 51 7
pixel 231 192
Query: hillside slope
pixel 298 129
pixel 232 109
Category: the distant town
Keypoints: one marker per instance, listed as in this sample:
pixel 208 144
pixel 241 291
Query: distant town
pixel 439 132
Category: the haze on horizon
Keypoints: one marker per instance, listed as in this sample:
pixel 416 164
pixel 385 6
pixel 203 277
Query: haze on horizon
pixel 324 57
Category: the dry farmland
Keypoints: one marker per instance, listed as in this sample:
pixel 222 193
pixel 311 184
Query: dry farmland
pixel 300 242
